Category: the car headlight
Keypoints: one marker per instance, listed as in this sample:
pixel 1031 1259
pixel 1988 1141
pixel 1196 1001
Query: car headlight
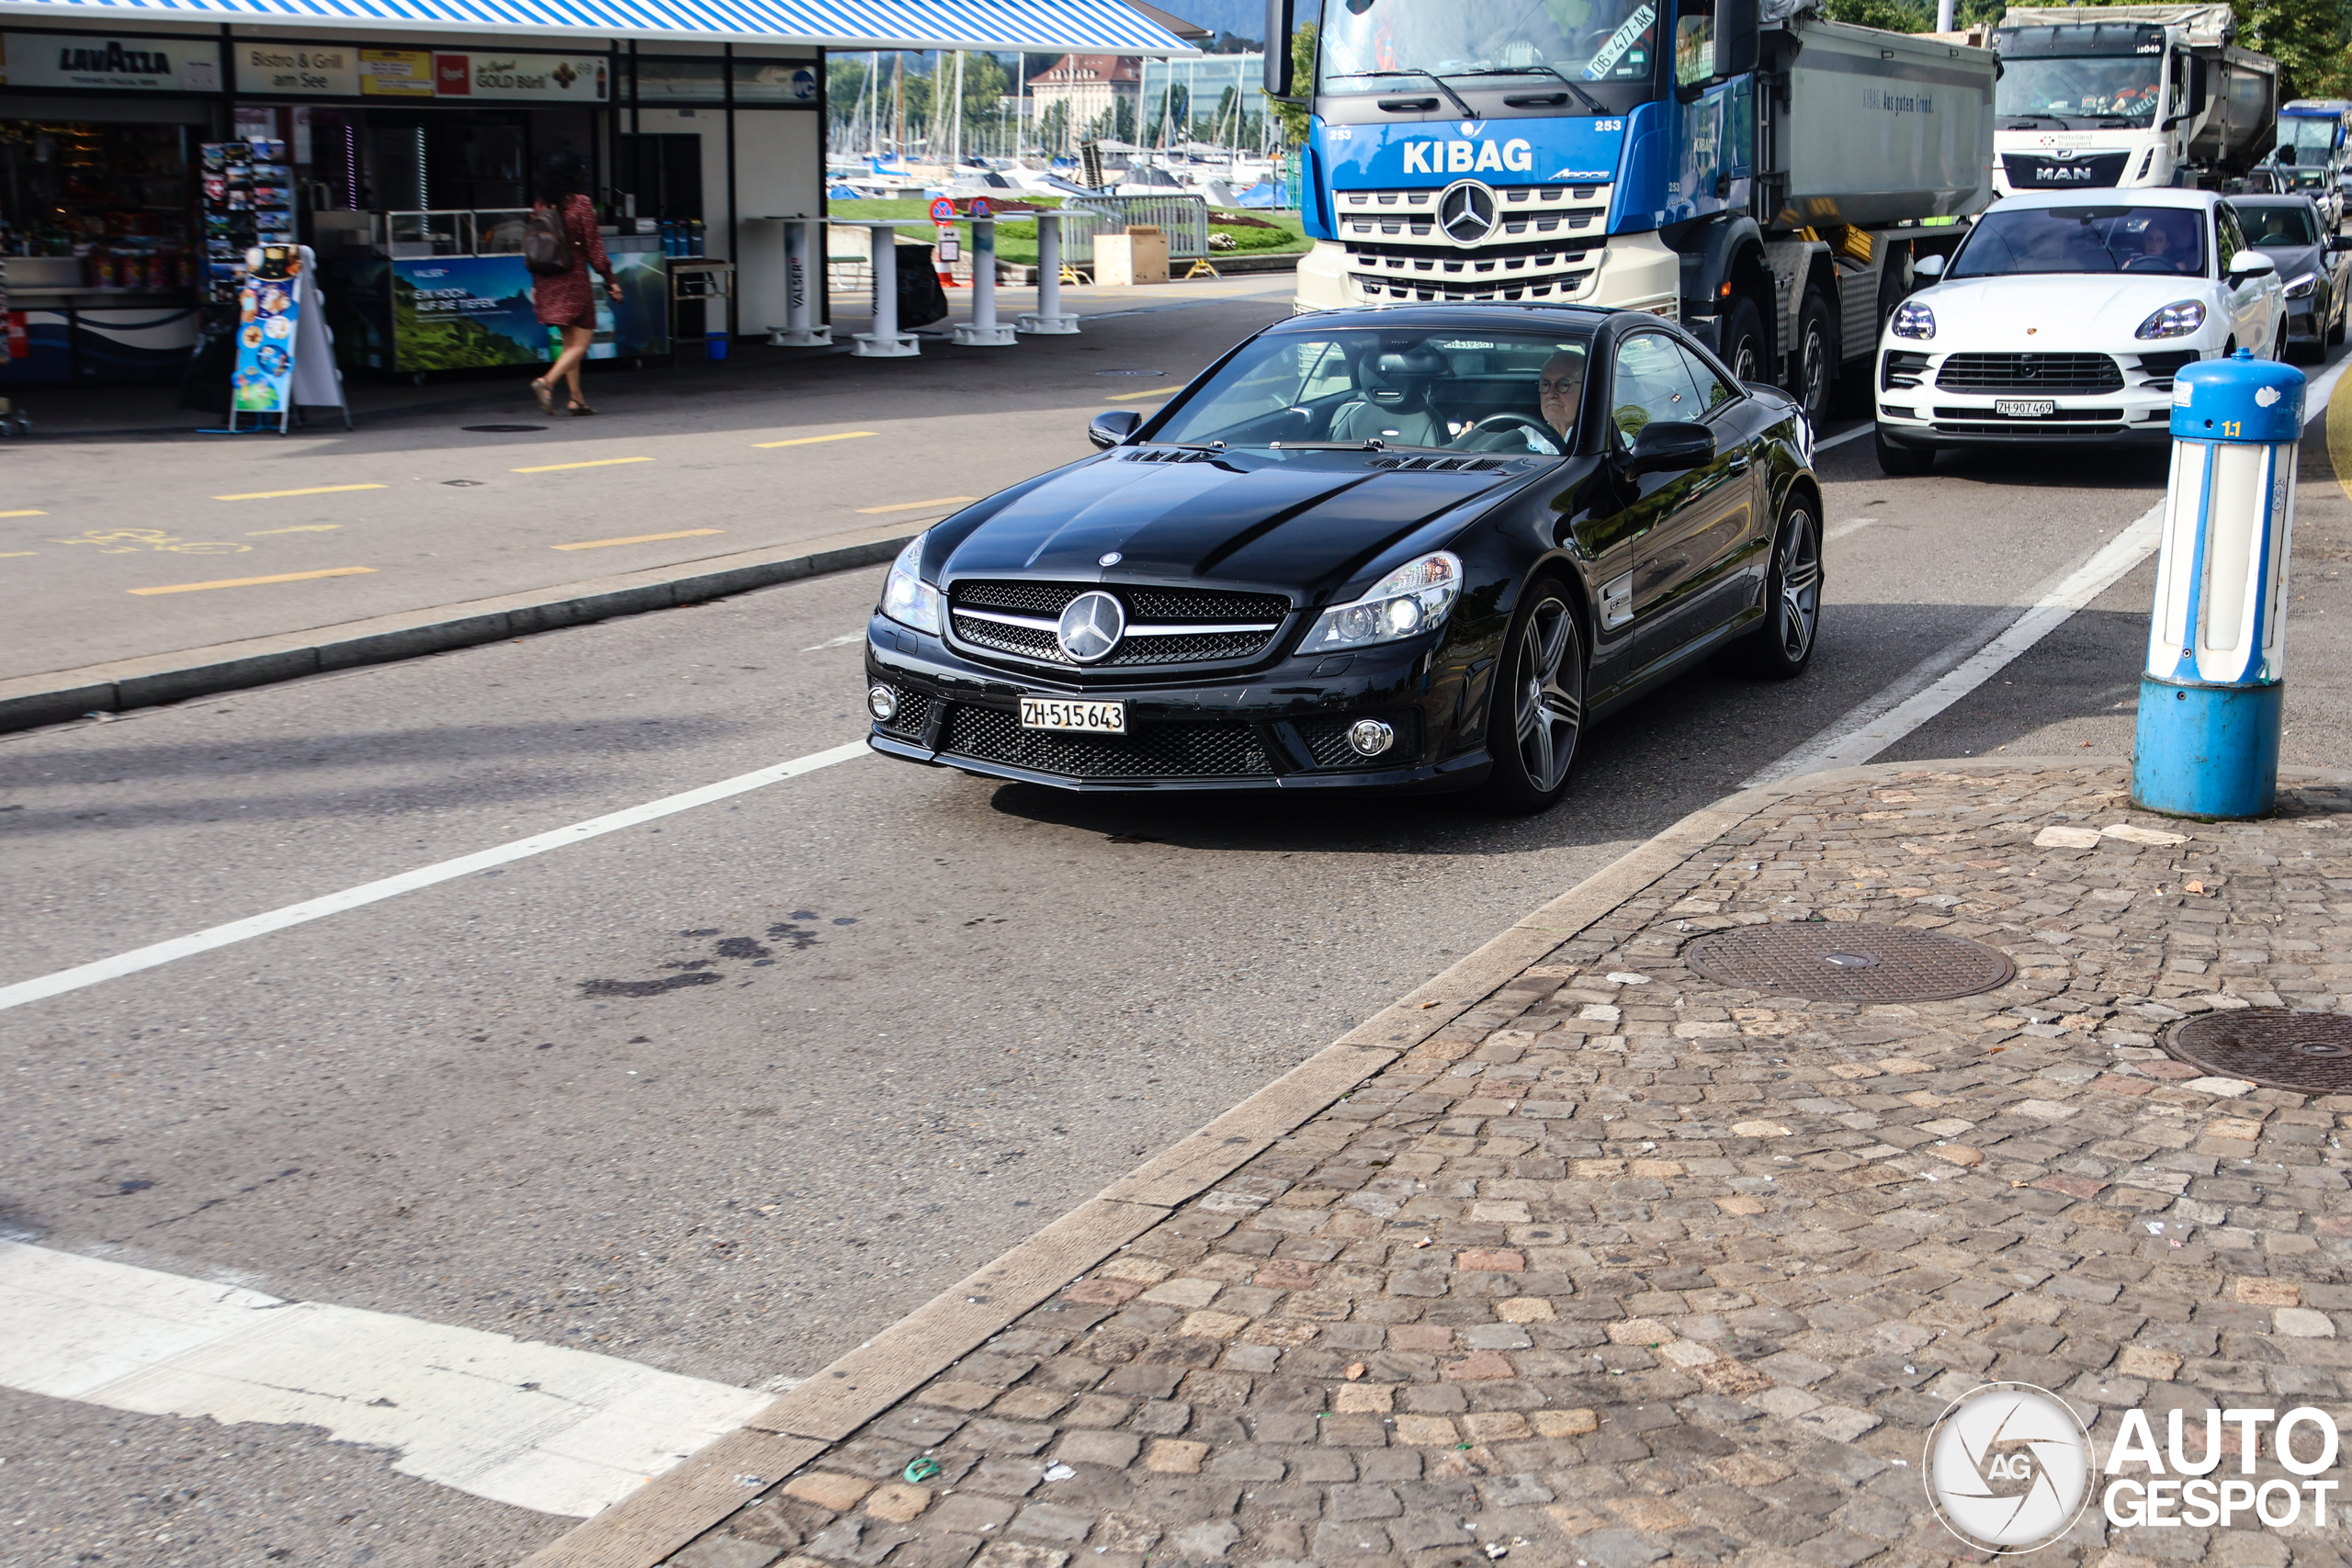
pixel 2300 287
pixel 1914 320
pixel 2179 319
pixel 1412 599
pixel 907 598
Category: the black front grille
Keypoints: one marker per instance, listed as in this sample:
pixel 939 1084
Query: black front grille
pixel 2066 374
pixel 1226 750
pixel 1326 739
pixel 2030 427
pixel 913 708
pixel 1027 642
pixel 2031 170
pixel 2061 417
pixel 1146 607
pixel 1903 368
pixel 2160 368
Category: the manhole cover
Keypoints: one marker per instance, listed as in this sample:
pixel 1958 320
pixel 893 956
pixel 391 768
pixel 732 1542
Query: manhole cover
pixel 1131 372
pixel 500 429
pixel 2309 1053
pixel 1840 963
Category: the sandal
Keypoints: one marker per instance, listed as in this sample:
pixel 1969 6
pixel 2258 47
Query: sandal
pixel 579 409
pixel 546 394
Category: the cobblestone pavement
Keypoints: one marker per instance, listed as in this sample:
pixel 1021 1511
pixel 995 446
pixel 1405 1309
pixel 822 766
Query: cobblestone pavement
pixel 1627 1266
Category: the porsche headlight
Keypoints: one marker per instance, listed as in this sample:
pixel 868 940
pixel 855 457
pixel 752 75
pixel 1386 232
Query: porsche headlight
pixel 2179 319
pixel 2300 287
pixel 1414 598
pixel 1914 320
pixel 907 598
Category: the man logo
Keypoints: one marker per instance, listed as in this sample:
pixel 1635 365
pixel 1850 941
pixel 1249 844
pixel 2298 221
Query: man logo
pixel 2008 1468
pixel 1466 212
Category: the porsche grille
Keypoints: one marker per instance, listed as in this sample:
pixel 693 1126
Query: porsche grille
pixel 2066 374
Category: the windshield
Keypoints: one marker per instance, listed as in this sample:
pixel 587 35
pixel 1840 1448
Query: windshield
pixel 1508 393
pixel 2278 225
pixel 2312 138
pixel 2083 239
pixel 2120 86
pixel 1377 46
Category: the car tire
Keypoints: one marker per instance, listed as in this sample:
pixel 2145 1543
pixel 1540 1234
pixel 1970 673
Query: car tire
pixel 1781 648
pixel 1746 352
pixel 1536 714
pixel 1898 462
pixel 1812 370
pixel 2280 349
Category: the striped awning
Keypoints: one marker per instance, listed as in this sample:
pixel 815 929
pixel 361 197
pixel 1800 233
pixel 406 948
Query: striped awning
pixel 1101 27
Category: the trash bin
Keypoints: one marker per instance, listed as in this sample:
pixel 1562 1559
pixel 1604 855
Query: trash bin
pixel 921 300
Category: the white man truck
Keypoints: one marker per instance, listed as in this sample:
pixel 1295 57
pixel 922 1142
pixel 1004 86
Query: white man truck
pixel 2101 96
pixel 1760 174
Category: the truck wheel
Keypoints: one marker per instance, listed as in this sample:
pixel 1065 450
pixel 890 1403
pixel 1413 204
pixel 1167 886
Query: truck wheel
pixel 1902 462
pixel 1811 372
pixel 1744 349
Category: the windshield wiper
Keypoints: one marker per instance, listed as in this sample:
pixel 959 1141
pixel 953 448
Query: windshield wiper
pixel 1582 97
pixel 1459 101
pixel 1370 443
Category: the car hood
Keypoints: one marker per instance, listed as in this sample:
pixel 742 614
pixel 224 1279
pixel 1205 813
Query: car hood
pixel 2293 261
pixel 2046 310
pixel 1303 527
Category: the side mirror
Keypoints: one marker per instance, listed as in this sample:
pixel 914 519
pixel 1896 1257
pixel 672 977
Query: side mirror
pixel 2251 264
pixel 1278 64
pixel 2338 243
pixel 1928 266
pixel 1735 25
pixel 1670 446
pixel 1107 430
pixel 2197 84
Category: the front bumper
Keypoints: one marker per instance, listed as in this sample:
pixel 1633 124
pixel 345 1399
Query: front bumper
pixel 1927 414
pixel 1282 727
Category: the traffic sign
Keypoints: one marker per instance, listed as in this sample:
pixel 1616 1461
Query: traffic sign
pixel 942 210
pixel 981 208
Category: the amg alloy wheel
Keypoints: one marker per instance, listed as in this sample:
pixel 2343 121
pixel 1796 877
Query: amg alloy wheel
pixel 1784 644
pixel 1541 694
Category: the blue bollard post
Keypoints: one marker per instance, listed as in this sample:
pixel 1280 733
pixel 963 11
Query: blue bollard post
pixel 2211 696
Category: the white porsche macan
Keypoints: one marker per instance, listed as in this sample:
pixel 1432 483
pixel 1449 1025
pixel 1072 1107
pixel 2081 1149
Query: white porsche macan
pixel 2063 316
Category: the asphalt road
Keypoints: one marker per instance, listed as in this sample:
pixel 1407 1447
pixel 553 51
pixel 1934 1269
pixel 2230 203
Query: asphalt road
pixel 192 539
pixel 944 1010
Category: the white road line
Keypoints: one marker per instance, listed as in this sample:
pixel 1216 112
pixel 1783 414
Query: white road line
pixel 1851 525
pixel 842 641
pixel 140 958
pixel 555 1430
pixel 1825 444
pixel 1891 714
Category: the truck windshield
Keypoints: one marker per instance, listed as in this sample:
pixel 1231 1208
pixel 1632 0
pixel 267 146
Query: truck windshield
pixel 1369 45
pixel 2083 239
pixel 2110 88
pixel 2312 138
pixel 1486 391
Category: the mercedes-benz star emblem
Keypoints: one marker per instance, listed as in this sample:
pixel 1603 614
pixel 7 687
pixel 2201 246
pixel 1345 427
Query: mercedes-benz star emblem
pixel 1091 627
pixel 1466 212
pixel 1114 558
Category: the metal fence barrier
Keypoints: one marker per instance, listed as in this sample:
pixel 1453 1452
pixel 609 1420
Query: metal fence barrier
pixel 1183 218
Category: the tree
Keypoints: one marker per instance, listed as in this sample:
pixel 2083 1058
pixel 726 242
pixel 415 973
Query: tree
pixel 1053 126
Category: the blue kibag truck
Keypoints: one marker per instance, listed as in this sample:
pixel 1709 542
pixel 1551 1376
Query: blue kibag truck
pixel 1762 176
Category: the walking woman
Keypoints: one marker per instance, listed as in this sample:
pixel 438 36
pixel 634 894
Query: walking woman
pixel 564 299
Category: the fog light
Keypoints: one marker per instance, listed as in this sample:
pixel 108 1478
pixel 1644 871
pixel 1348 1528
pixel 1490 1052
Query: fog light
pixel 882 703
pixel 1370 737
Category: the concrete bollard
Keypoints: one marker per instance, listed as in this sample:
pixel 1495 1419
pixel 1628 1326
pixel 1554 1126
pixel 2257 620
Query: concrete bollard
pixel 886 341
pixel 983 330
pixel 1046 320
pixel 2212 698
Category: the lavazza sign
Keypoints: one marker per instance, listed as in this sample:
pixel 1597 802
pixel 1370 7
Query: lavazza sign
pixel 2009 1469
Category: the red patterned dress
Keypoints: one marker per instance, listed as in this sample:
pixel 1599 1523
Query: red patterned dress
pixel 568 301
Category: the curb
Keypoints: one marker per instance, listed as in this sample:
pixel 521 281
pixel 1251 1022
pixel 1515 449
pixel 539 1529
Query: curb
pixel 663 1515
pixel 28 701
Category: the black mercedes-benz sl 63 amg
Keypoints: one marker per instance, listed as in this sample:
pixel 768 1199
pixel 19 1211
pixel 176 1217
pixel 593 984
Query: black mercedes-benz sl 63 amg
pixel 1418 547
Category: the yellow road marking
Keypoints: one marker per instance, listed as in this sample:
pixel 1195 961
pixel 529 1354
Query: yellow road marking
pixel 305 528
pixel 591 463
pixel 10 555
pixel 2339 435
pixel 314 490
pixel 1131 397
pixel 812 440
pixel 250 582
pixel 639 539
pixel 920 505
pixel 23 514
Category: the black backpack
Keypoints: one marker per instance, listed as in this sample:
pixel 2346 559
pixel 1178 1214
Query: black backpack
pixel 547 243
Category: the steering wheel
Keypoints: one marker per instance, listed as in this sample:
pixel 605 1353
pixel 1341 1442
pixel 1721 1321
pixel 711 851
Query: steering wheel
pixel 2154 264
pixel 1499 425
